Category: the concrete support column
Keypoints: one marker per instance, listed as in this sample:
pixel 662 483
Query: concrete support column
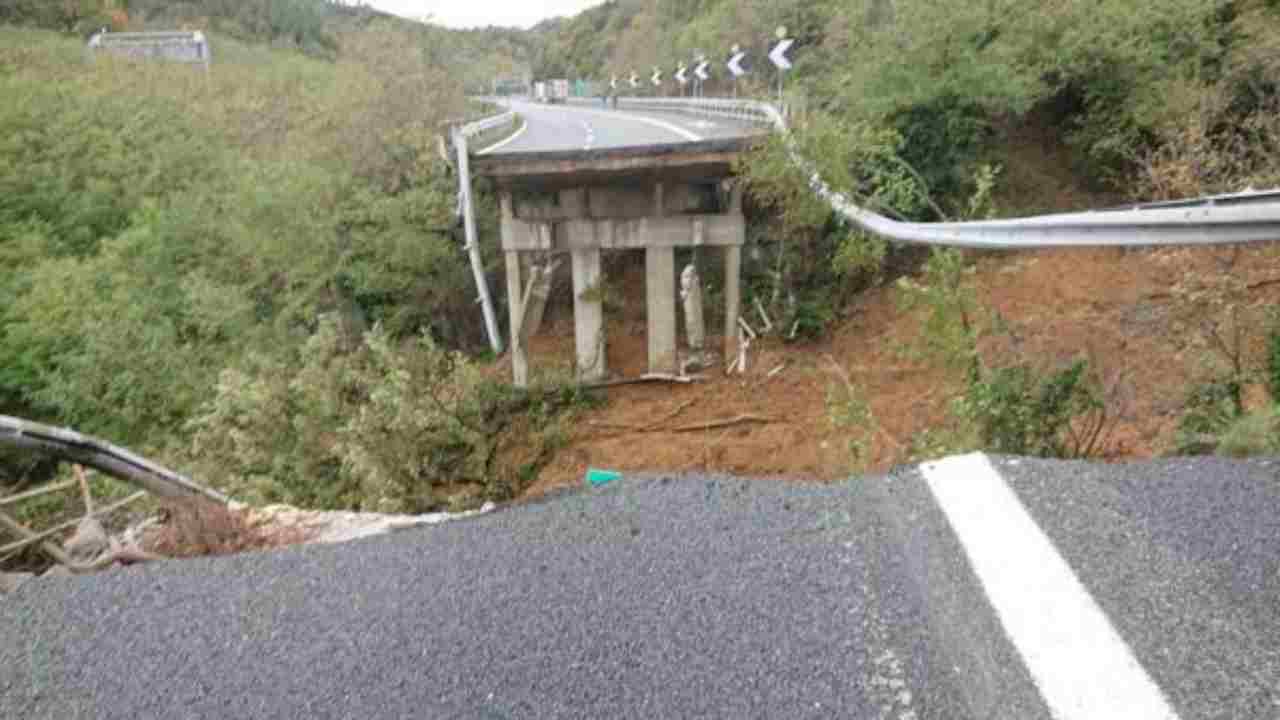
pixel 732 299
pixel 515 291
pixel 660 288
pixel 588 314
pixel 515 312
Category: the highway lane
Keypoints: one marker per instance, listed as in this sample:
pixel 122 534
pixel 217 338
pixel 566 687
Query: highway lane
pixel 967 589
pixel 582 127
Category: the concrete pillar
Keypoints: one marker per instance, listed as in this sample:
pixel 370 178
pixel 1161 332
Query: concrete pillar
pixel 588 314
pixel 538 290
pixel 515 312
pixel 660 287
pixel 732 299
pixel 694 327
pixel 515 291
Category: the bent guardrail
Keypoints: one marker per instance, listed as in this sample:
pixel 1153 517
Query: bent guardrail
pixel 1249 216
pixel 460 134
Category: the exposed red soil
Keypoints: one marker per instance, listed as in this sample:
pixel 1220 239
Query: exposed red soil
pixel 1137 315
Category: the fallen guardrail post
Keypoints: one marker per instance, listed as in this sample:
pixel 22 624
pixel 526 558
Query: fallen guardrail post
pixel 459 136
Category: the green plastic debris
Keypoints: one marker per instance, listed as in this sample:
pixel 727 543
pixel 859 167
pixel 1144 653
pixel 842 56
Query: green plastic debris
pixel 595 477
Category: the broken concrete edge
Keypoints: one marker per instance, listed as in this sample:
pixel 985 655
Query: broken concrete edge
pixel 10 582
pixel 732 145
pixel 337 526
pixel 325 527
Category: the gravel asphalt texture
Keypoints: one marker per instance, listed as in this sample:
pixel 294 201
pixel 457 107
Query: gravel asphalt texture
pixel 671 597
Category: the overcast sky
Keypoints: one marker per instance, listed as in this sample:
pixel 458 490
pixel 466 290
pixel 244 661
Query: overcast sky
pixel 479 13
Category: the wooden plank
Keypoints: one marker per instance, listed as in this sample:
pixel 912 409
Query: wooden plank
pixel 47 490
pixel 31 537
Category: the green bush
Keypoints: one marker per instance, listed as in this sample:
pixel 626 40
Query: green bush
pixel 1255 433
pixel 157 224
pixel 1018 411
pixel 1209 410
pixel 1273 360
pixel 805 262
pixel 373 425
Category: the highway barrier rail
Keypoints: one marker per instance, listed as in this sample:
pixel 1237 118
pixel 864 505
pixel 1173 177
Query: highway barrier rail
pixel 1249 216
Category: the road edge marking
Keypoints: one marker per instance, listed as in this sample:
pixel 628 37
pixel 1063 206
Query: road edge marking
pixel 524 125
pixel 669 127
pixel 1082 667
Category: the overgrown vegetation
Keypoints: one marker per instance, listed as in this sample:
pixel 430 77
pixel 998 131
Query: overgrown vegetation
pixel 253 273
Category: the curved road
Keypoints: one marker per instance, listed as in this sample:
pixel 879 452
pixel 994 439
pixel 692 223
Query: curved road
pixel 968 589
pixel 550 128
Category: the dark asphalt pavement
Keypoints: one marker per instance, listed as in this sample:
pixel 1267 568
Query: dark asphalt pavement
pixel 679 597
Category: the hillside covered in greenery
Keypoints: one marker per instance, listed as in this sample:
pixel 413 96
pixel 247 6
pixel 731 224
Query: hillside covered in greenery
pixel 1137 87
pixel 255 274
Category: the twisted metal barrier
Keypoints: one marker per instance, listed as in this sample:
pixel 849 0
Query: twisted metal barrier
pixel 460 134
pixel 1249 216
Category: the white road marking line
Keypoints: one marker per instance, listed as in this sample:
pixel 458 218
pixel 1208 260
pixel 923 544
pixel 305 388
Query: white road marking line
pixel 1081 665
pixel 503 143
pixel 690 136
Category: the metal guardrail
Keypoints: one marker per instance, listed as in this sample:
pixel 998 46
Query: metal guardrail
pixel 490 123
pixel 1250 216
pixel 176 46
pixel 748 111
pixel 460 134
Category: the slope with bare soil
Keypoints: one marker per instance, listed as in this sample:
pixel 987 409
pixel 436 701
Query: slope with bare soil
pixel 1139 316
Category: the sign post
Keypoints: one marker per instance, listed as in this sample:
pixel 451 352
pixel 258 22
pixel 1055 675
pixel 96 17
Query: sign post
pixel 701 72
pixel 779 56
pixel 735 67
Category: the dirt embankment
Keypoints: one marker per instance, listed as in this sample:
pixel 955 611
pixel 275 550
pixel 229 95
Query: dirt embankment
pixel 1137 315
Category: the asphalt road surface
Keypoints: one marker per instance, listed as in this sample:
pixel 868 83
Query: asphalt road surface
pixel 585 127
pixel 971 588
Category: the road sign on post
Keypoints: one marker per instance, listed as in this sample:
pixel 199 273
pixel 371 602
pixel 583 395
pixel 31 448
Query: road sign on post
pixel 735 64
pixel 778 56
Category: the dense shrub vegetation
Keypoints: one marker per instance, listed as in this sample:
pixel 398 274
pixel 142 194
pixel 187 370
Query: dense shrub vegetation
pixel 172 242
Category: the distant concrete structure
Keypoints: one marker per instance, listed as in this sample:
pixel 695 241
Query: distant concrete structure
pixel 183 47
pixel 583 203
